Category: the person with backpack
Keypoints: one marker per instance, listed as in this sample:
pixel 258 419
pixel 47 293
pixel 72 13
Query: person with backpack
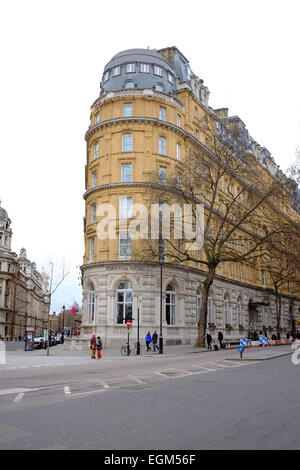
pixel 148 341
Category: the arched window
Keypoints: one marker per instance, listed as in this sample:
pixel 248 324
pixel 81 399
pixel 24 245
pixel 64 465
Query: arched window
pixel 226 311
pixel 239 311
pixel 91 304
pixel 159 87
pixel 209 310
pixel 170 304
pixel 124 302
pixel 129 85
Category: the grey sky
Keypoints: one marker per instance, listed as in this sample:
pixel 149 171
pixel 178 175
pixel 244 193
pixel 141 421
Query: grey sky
pixel 52 58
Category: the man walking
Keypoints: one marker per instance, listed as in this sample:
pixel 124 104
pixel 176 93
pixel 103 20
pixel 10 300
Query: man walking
pixel 154 341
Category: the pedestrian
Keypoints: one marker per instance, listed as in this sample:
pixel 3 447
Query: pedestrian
pixel 99 347
pixel 93 343
pixel 148 340
pixel 154 341
pixel 209 340
pixel 220 339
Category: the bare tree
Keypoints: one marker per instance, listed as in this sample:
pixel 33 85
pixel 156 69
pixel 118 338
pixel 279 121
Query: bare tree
pixel 240 200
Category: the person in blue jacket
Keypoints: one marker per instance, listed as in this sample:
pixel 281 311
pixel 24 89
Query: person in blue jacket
pixel 148 341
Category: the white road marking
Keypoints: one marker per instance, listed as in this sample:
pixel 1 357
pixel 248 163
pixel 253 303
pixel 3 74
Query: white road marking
pixel 216 364
pixel 200 366
pixel 19 398
pixel 87 393
pixel 67 390
pixel 103 383
pixel 136 379
pixel 13 391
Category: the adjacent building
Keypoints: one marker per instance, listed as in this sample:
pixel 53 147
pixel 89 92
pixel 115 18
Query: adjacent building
pixel 24 294
pixel 146 120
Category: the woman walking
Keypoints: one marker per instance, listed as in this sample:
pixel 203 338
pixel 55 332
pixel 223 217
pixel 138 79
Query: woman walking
pixel 148 341
pixel 93 343
pixel 99 347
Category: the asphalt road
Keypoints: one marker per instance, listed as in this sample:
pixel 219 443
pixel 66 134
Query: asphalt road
pixel 192 402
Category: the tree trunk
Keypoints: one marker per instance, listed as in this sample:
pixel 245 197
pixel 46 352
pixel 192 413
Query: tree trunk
pixel 278 313
pixel 200 341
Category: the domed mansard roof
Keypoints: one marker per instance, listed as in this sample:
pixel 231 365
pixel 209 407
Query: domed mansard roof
pixel 3 214
pixel 138 68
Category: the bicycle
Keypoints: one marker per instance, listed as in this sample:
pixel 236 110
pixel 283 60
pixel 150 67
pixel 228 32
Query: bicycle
pixel 132 349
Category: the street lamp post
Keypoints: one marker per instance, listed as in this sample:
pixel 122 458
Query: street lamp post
pixel 63 326
pixel 161 342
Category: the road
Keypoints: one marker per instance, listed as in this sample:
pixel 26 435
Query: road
pixel 194 401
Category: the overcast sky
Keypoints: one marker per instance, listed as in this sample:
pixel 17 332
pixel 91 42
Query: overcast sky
pixel 52 57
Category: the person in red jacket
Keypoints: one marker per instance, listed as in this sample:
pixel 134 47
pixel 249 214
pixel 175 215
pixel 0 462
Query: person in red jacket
pixel 93 343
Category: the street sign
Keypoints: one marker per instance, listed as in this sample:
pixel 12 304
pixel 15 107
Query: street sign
pixel 243 342
pixel 129 323
pixel 263 340
pixel 241 349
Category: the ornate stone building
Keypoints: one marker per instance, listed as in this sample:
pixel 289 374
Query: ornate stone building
pixel 24 295
pixel 147 119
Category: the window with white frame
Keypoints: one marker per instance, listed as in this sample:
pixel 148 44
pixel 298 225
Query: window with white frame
pixel 96 150
pixel 239 311
pixel 94 179
pixel 126 175
pixel 92 248
pixel 125 207
pixel 170 78
pixel 145 68
pixel 226 311
pixel 162 113
pixel 127 109
pixel 170 305
pixel 178 120
pixel 116 71
pixel 178 152
pixel 157 70
pixel 198 305
pixel 127 143
pixel 97 118
pixel 124 302
pixel 130 68
pixel 106 76
pixel 125 245
pixel 93 213
pixel 162 175
pixel 91 304
pixel 209 310
pixel 162 145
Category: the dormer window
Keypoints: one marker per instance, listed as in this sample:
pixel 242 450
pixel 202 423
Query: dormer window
pixel 106 76
pixel 145 68
pixel 116 71
pixel 130 68
pixel 157 70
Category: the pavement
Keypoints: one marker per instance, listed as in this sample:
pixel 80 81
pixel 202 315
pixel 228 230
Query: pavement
pixel 59 356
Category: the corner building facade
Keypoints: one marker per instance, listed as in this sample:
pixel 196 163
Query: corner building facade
pixel 145 121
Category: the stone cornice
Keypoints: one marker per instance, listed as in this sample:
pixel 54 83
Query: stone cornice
pixel 145 93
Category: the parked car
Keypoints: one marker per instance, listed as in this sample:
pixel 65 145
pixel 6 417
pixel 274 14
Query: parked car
pixel 39 342
pixel 58 339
